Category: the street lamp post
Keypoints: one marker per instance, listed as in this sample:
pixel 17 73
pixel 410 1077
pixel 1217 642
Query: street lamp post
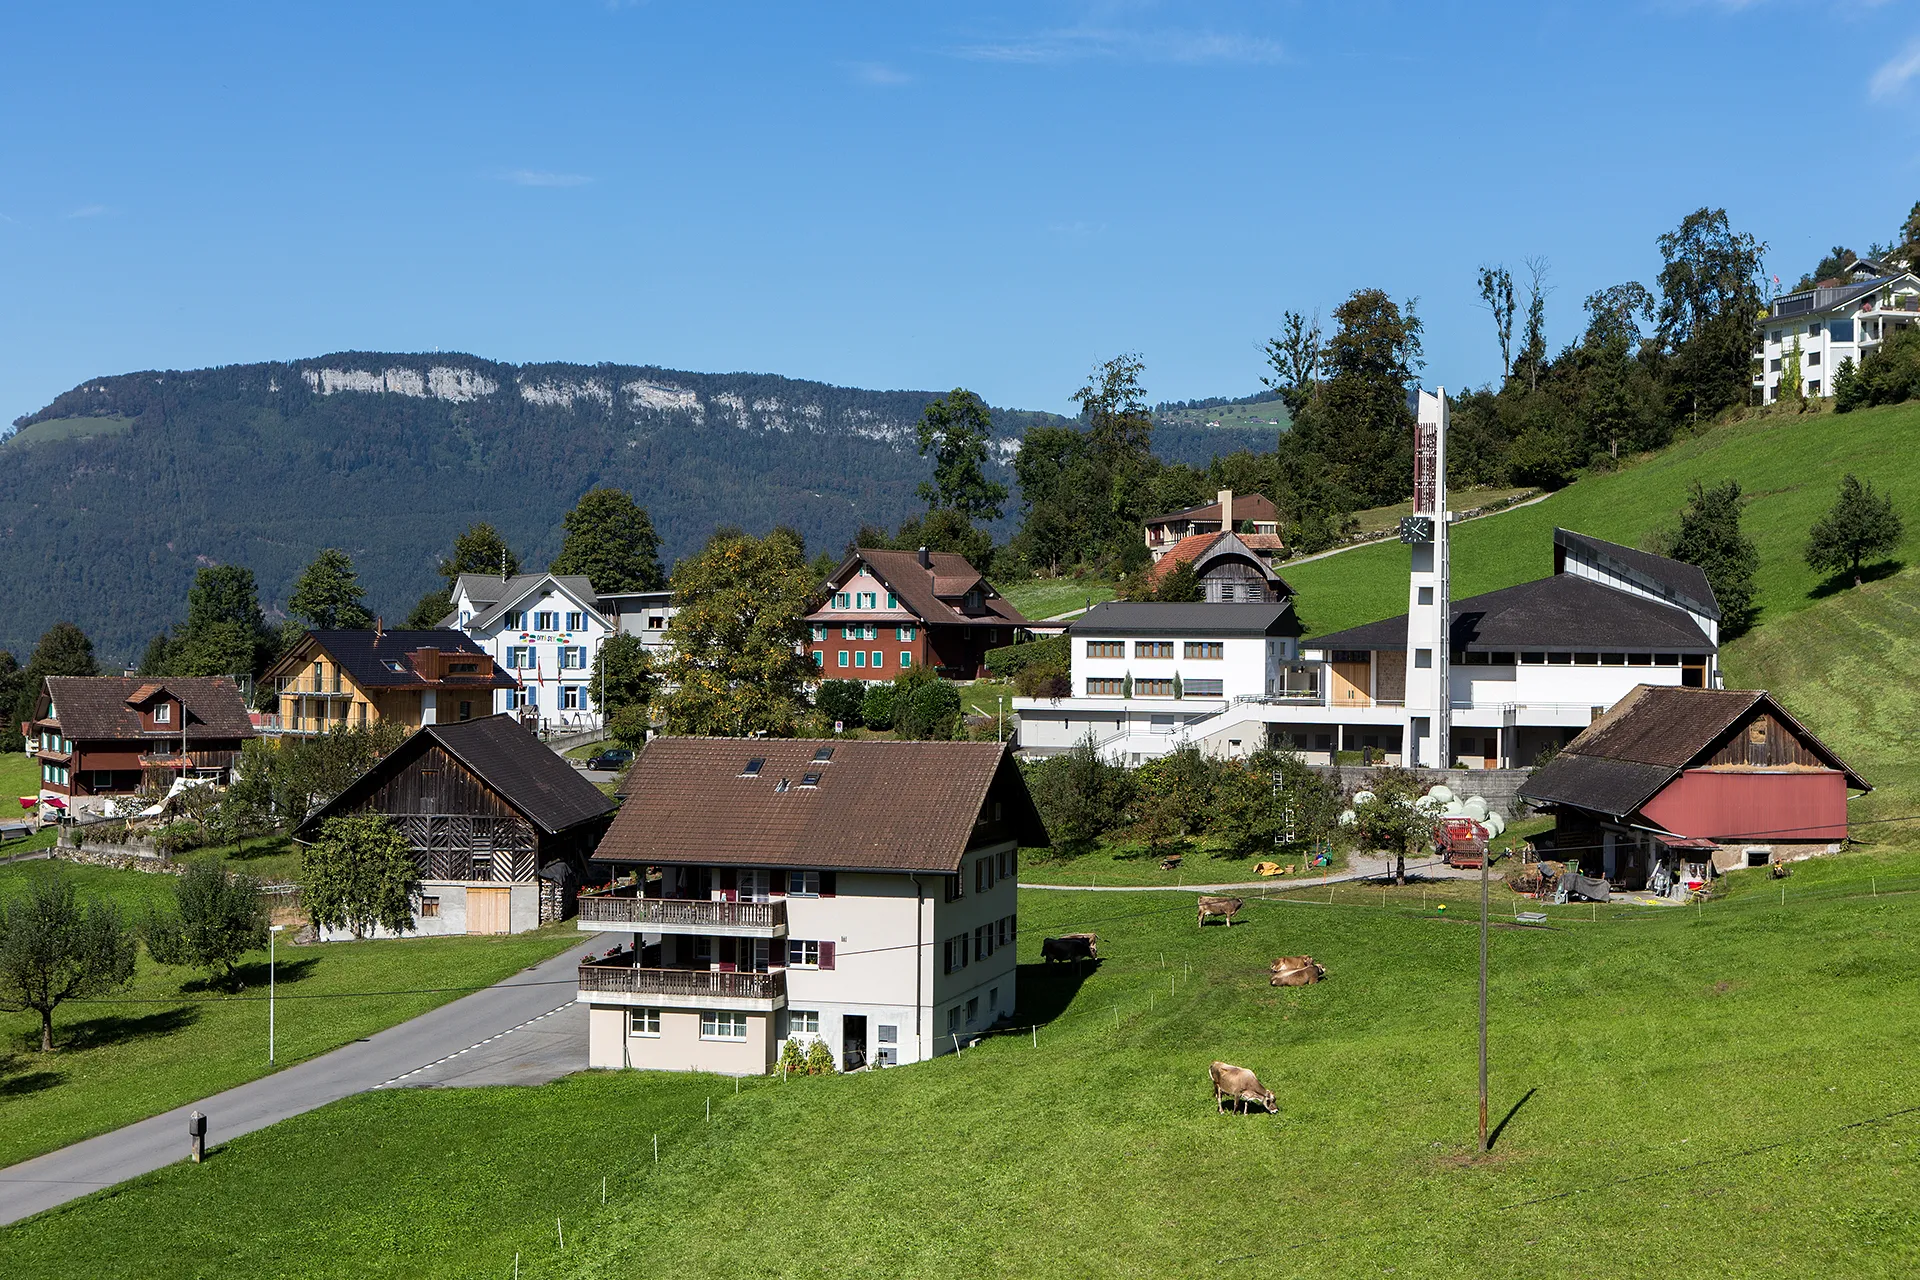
pixel 273 935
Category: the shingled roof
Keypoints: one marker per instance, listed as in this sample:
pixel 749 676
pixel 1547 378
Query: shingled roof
pixel 1180 620
pixel 526 773
pixel 100 708
pixel 1682 583
pixel 1647 739
pixel 1196 548
pixel 874 805
pixel 366 655
pixel 495 596
pixel 929 591
pixel 1563 612
pixel 1246 506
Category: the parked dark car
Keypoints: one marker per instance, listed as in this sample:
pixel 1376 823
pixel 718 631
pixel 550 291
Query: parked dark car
pixel 611 758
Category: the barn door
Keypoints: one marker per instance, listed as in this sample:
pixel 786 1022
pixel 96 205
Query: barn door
pixel 487 910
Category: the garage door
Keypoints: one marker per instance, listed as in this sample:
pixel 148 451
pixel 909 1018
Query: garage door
pixel 487 910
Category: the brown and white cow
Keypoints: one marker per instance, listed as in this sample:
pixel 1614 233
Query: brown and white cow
pixel 1296 971
pixel 1226 908
pixel 1239 1086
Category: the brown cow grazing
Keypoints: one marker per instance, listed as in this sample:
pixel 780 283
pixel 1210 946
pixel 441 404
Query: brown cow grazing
pixel 1239 1086
pixel 1071 946
pixel 1223 907
pixel 1296 971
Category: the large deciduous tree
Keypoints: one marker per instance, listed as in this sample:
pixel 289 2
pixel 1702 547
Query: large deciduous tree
pixel 623 674
pixel 737 666
pixel 1861 524
pixel 216 917
pixel 359 875
pixel 1354 442
pixel 1496 294
pixel 327 595
pixel 480 549
pixel 1709 309
pixel 611 541
pixel 1710 536
pixel 56 947
pixel 958 428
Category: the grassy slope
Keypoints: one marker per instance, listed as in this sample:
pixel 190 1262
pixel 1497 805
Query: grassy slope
pixel 70 429
pixel 165 1041
pixel 1038 598
pixel 1789 467
pixel 1649 1053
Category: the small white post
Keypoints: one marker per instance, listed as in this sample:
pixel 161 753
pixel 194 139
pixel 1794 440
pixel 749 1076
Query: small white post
pixel 656 1149
pixel 603 1188
pixel 1036 1035
pixel 709 1110
pixel 956 1044
pixel 516 1264
pixel 563 1235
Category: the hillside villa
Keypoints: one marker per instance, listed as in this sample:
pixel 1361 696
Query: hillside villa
pixel 889 611
pixel 1845 319
pixel 1528 667
pixel 1225 513
pixel 860 893
pixel 500 826
pixel 1673 786
pixel 336 678
pixel 100 736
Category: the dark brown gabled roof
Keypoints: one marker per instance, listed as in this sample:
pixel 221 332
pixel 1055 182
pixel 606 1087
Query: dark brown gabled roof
pixel 927 591
pixel 877 805
pixel 370 657
pixel 1256 507
pixel 98 708
pixel 526 773
pixel 1621 760
pixel 1559 613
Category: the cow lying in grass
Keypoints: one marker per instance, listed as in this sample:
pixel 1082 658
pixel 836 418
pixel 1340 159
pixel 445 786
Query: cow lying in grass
pixel 1226 908
pixel 1238 1086
pixel 1071 946
pixel 1295 971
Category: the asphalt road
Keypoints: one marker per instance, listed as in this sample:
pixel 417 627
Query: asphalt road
pixel 524 1030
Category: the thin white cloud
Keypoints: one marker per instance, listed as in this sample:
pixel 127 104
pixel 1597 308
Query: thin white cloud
pixel 879 74
pixel 1895 74
pixel 1166 45
pixel 544 178
pixel 89 211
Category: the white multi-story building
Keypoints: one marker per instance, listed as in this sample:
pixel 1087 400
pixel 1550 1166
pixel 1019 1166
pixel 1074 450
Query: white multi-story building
pixel 646 614
pixel 1529 666
pixel 546 630
pixel 859 893
pixel 1844 321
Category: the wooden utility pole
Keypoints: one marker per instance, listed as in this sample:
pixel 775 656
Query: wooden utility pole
pixel 1486 856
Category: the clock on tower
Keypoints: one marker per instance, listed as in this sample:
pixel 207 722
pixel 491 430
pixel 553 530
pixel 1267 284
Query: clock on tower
pixel 1416 529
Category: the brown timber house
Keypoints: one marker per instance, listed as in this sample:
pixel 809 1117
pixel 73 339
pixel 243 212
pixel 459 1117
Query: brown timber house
pixel 103 735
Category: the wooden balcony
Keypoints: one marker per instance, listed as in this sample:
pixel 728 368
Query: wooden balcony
pixel 685 916
pixel 686 988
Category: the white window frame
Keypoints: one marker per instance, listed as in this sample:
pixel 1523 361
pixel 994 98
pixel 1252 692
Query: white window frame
pixel 576 621
pixel 712 1026
pixel 803 1022
pixel 163 713
pixel 803 884
pixel 644 1023
pixel 802 947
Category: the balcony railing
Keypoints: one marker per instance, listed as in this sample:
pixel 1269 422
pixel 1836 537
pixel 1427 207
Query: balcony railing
pixel 681 913
pixel 307 686
pixel 630 980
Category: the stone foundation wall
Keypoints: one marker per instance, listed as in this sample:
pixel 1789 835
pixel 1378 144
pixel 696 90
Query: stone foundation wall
pixel 120 857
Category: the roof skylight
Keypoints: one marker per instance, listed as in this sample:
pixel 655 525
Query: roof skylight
pixel 753 767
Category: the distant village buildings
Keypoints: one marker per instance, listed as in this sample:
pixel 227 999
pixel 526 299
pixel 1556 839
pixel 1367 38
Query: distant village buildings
pixel 1845 319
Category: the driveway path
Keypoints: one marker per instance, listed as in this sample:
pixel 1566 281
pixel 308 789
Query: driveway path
pixel 519 1031
pixel 1362 868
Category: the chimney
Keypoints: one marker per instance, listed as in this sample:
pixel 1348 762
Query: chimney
pixel 1226 511
pixel 926 561
pixel 379 629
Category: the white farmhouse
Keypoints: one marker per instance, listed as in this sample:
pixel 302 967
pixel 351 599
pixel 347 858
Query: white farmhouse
pixel 860 893
pixel 546 630
pixel 1845 320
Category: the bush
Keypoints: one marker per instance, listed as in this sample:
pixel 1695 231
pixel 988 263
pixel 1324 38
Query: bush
pixel 1008 662
pixel 819 1059
pixel 1043 682
pixel 628 727
pixel 1079 795
pixel 876 707
pixel 928 712
pixel 841 700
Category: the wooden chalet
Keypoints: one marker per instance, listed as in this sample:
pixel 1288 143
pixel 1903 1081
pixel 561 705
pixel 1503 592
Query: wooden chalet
pixel 890 611
pixel 330 679
pixel 1674 785
pixel 500 825
pixel 103 735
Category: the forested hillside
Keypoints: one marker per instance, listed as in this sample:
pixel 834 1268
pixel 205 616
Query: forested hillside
pixel 113 495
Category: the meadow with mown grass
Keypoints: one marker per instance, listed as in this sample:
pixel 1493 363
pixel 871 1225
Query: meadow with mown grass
pixel 172 1036
pixel 1696 1091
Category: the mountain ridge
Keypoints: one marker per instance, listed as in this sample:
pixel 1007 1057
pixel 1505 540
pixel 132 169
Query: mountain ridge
pixel 117 490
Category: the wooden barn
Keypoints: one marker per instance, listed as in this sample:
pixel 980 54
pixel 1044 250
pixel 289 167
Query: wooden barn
pixel 1675 785
pixel 500 825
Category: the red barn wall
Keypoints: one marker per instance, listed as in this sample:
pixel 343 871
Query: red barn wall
pixel 1720 805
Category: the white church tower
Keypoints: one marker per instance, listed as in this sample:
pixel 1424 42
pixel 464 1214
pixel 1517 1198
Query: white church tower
pixel 1428 731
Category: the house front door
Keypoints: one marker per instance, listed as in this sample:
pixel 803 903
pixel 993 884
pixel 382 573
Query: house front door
pixel 853 1041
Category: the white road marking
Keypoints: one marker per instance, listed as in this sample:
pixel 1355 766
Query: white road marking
pixel 470 1048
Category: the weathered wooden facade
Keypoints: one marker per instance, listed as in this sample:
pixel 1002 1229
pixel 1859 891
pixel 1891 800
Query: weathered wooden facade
pixel 1673 785
pixel 107 735
pixel 500 826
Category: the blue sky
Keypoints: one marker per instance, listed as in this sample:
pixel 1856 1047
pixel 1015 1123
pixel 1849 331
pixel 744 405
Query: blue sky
pixel 898 195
